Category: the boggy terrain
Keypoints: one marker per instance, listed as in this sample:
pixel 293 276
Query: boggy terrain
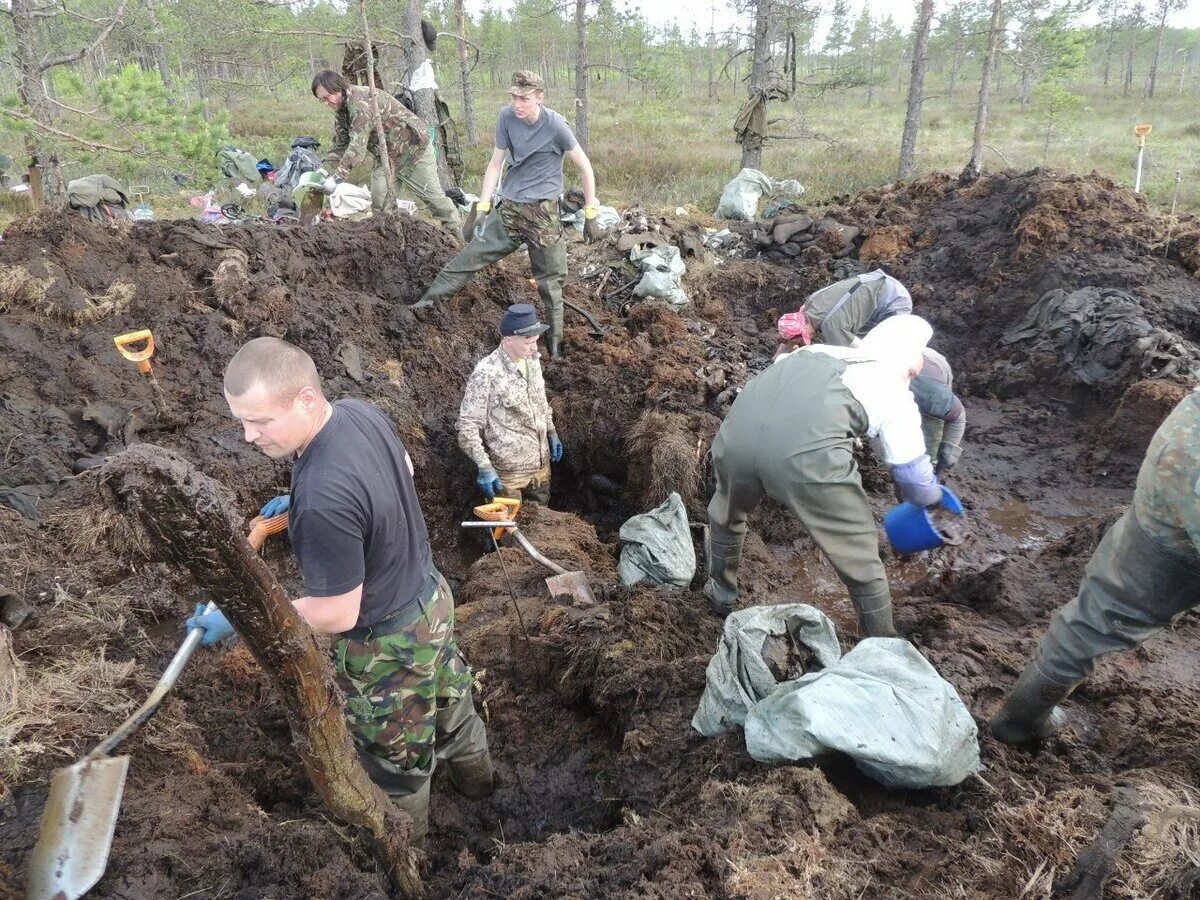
pixel 603 789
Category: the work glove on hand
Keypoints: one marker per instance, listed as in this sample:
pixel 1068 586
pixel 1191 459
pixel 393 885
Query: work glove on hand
pixel 591 228
pixel 216 626
pixel 330 184
pixel 280 504
pixel 489 482
pixel 556 448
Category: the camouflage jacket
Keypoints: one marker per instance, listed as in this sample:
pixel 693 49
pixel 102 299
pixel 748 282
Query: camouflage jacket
pixel 1167 497
pixel 505 418
pixel 354 132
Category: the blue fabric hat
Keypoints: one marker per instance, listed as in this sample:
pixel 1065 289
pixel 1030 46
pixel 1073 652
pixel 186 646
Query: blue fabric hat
pixel 521 320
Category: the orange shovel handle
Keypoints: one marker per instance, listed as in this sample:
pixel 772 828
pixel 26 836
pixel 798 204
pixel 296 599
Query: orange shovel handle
pixel 261 529
pixel 141 357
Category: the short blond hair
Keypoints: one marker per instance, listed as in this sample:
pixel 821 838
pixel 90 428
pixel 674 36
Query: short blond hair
pixel 283 368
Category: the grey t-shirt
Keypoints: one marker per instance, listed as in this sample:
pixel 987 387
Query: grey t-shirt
pixel 535 154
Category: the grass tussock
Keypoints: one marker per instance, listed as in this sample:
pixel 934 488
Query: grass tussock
pixel 21 290
pixel 63 705
pixel 83 530
pixel 664 448
pixel 1166 848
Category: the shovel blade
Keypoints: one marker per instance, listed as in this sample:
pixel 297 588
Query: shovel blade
pixel 571 584
pixel 77 828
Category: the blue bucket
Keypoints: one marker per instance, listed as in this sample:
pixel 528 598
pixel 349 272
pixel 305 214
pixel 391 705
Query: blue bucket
pixel 909 528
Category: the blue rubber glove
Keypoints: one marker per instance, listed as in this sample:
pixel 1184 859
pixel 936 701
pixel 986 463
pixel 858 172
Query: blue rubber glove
pixel 280 504
pixel 216 626
pixel 556 448
pixel 489 482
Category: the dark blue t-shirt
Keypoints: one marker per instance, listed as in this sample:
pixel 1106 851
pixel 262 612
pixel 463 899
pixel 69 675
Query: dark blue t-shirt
pixel 355 517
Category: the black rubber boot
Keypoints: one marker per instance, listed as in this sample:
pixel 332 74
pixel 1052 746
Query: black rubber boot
pixel 1030 712
pixel 877 623
pixel 472 775
pixel 417 806
pixel 554 333
pixel 723 554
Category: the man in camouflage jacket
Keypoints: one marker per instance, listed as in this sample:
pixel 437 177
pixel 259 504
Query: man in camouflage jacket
pixel 409 148
pixel 1144 574
pixel 505 424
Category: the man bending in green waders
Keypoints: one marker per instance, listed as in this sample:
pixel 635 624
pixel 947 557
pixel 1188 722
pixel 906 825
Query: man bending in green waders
pixel 790 435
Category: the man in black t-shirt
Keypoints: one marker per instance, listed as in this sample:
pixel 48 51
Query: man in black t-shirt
pixel 359 535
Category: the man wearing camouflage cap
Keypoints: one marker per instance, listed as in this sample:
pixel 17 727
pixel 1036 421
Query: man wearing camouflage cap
pixel 505 424
pixel 408 146
pixel 534 141
pixel 1144 575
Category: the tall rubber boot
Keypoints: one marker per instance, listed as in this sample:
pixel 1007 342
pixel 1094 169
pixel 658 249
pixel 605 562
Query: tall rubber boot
pixel 417 806
pixel 555 332
pixel 1030 712
pixel 472 776
pixel 723 553
pixel 874 614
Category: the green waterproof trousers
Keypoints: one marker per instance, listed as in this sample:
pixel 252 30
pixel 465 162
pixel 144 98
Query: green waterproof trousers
pixel 421 181
pixel 797 447
pixel 506 227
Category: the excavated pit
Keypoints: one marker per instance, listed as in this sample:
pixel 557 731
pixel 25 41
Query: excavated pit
pixel 603 790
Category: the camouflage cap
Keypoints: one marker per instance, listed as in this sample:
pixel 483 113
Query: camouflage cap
pixel 525 83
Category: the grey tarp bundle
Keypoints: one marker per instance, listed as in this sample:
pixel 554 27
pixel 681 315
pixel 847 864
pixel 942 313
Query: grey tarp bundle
pixel 739 200
pixel 662 273
pixel 658 545
pixel 1103 336
pixel 884 706
pixel 298 162
pixel 738 676
pixel 238 164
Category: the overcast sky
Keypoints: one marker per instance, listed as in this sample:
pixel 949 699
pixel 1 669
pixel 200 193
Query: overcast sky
pixel 702 12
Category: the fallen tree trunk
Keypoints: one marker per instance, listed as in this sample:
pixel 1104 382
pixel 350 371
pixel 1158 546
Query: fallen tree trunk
pixel 190 519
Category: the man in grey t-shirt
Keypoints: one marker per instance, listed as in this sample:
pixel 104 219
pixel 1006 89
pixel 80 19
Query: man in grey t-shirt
pixel 534 141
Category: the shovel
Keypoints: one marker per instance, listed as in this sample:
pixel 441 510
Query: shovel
pixel 562 583
pixel 80 817
pixel 125 344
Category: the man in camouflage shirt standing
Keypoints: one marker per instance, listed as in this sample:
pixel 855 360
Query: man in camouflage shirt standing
pixel 409 148
pixel 505 424
pixel 358 532
pixel 1144 574
pixel 534 141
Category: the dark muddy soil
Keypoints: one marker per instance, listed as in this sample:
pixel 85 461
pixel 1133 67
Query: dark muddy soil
pixel 603 789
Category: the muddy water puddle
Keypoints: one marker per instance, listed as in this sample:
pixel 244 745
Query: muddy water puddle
pixel 1030 527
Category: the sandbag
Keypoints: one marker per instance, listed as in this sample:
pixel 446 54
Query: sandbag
pixel 883 705
pixel 662 273
pixel 658 545
pixel 739 199
pixel 738 676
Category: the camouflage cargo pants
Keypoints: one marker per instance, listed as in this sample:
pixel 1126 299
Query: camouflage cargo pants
pixel 419 179
pixel 506 227
pixel 535 486
pixel 408 697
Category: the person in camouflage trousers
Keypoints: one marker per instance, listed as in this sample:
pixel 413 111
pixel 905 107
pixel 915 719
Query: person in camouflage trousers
pixel 533 140
pixel 408 692
pixel 505 424
pixel 359 535
pixel 1144 574
pixel 409 149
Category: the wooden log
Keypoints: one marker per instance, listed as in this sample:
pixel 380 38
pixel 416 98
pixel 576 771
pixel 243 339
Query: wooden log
pixel 191 520
pixel 1086 879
